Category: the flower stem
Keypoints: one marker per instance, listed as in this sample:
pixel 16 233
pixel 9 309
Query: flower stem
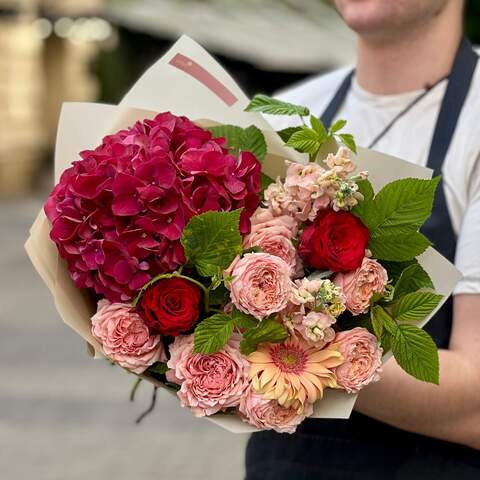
pixel 150 408
pixel 134 389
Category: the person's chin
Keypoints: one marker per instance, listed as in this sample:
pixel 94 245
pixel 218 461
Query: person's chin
pixel 367 16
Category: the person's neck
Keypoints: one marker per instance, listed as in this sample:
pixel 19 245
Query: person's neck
pixel 411 62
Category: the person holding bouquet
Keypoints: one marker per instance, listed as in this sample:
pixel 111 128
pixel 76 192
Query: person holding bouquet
pixel 415 94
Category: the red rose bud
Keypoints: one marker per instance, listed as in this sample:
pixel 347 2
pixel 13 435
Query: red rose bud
pixel 335 241
pixel 170 306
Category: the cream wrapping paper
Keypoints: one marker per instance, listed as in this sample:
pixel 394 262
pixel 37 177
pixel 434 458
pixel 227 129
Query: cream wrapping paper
pixel 188 81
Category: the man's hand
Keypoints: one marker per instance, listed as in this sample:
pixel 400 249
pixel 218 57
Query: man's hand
pixel 450 411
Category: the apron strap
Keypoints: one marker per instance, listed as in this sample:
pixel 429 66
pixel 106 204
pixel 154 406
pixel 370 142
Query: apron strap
pixel 457 90
pixel 337 100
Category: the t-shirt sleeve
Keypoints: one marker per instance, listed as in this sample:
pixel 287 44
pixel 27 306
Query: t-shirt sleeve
pixel 467 258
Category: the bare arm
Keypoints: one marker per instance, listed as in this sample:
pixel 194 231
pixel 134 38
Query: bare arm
pixel 450 411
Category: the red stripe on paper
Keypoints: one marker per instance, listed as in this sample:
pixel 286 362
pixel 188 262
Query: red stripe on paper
pixel 204 77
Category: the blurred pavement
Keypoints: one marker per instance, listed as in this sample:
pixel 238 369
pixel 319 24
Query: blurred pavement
pixel 64 416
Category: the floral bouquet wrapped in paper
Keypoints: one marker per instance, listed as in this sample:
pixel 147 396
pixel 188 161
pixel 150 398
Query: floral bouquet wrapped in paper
pixel 259 277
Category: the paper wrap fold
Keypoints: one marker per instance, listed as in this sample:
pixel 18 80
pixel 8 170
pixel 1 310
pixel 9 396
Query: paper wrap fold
pixel 188 81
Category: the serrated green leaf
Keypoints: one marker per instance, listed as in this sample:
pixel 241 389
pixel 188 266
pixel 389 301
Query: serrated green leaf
pixel 416 353
pixel 379 318
pixel 211 241
pixel 386 341
pixel 231 133
pixel 267 331
pixel 250 139
pixel 389 324
pixel 318 127
pixel 246 347
pixel 273 106
pixel 286 133
pixel 212 334
pixel 243 320
pixel 305 140
pixel 415 306
pixel 398 248
pixel 366 189
pixel 158 368
pixel 402 204
pixel 338 125
pixel 348 140
pixel 412 278
pixel 395 269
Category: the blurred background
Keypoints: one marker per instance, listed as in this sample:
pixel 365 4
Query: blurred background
pixel 63 416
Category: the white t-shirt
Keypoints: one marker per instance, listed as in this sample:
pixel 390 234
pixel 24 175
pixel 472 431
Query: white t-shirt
pixel 410 138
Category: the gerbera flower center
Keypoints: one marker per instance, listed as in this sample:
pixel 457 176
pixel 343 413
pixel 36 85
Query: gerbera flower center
pixel 288 359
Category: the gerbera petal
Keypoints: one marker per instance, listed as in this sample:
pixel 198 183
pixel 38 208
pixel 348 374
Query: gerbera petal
pixel 310 389
pixel 259 357
pixel 267 375
pixel 317 368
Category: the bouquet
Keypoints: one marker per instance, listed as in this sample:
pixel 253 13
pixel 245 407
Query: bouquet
pixel 251 297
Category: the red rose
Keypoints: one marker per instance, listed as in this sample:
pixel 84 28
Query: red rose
pixel 170 306
pixel 335 241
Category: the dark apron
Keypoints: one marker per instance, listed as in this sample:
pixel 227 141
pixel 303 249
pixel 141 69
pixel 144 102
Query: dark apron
pixel 363 448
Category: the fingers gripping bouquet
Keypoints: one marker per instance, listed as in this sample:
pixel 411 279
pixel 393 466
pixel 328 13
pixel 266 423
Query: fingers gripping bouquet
pixel 246 295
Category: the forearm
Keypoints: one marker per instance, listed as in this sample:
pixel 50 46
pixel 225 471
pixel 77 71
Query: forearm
pixel 450 411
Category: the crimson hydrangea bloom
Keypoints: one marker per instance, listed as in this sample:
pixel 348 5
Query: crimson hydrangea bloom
pixel 118 213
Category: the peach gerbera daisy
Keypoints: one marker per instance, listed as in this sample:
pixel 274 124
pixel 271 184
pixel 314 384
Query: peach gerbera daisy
pixel 293 372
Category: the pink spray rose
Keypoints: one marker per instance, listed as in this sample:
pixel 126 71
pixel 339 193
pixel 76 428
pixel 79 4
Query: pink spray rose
pixel 274 235
pixel 362 359
pixel 358 286
pixel 270 415
pixel 125 337
pixel 208 383
pixel 261 284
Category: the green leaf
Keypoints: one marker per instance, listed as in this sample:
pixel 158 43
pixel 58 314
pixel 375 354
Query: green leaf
pixel 268 330
pixel 401 204
pixel 379 318
pixel 305 140
pixel 211 241
pixel 250 139
pixel 366 189
pixel 386 341
pixel 395 269
pixel 348 140
pixel 286 133
pixel 158 368
pixel 415 306
pixel 416 353
pixel 400 247
pixel 318 127
pixel 219 296
pixel 412 278
pixel 231 133
pixel 265 104
pixel 389 324
pixel 338 125
pixel 212 334
pixel 243 320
